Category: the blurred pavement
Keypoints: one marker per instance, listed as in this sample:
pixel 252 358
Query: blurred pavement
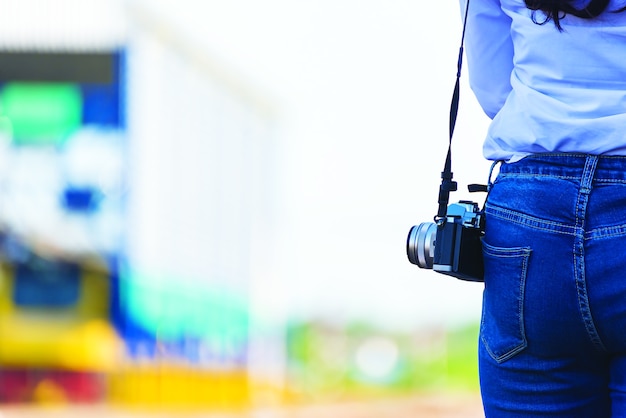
pixel 438 406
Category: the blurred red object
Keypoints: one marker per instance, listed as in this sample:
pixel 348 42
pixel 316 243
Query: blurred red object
pixel 51 386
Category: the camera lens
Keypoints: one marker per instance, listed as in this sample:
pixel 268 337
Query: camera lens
pixel 420 244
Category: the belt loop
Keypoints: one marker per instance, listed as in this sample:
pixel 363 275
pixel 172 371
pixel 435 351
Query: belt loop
pixel 591 162
pixel 490 179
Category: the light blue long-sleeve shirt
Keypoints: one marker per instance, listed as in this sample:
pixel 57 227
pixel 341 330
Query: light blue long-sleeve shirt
pixel 547 91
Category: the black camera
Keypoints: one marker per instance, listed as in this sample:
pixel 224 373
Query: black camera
pixel 452 245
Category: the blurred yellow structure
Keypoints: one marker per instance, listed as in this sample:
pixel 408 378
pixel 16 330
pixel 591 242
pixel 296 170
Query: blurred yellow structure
pixel 79 337
pixel 60 353
pixel 179 387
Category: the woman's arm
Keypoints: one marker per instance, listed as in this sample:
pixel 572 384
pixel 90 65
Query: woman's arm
pixel 489 52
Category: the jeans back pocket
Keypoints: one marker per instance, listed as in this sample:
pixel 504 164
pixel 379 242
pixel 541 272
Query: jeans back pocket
pixel 502 323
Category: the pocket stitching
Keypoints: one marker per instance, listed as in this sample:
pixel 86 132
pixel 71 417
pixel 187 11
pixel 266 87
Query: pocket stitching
pixel 524 253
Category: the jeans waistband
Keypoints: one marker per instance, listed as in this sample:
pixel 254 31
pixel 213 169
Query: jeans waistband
pixel 609 168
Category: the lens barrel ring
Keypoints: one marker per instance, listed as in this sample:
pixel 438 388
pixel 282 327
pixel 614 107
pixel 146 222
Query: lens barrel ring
pixel 420 245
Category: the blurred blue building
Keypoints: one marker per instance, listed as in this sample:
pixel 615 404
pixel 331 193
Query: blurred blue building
pixel 136 211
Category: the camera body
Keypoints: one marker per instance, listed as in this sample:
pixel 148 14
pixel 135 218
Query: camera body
pixel 452 246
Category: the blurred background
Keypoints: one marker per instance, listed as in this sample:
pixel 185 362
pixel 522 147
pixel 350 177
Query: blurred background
pixel 204 204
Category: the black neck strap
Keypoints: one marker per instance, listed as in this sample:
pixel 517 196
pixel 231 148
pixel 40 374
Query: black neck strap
pixel 447 184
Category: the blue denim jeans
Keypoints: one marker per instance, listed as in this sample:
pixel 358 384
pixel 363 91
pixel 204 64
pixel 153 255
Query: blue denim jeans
pixel 553 329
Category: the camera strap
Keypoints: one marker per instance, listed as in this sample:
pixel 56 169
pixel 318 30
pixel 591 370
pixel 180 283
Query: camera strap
pixel 447 184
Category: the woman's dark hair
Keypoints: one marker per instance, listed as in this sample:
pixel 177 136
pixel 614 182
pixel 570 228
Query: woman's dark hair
pixel 557 9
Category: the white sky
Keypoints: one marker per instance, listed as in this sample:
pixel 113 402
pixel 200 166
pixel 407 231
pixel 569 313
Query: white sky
pixel 362 89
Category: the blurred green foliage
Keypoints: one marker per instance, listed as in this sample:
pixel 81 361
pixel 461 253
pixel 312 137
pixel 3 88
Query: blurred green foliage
pixel 333 361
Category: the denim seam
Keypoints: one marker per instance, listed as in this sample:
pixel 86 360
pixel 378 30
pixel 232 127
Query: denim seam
pixel 579 252
pixel 611 181
pixel 505 252
pixel 606 232
pixel 535 175
pixel 515 174
pixel 530 221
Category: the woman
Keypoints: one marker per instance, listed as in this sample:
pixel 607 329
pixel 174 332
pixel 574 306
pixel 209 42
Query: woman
pixel 552 76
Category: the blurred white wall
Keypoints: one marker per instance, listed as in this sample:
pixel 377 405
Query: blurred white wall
pixel 62 24
pixel 363 89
